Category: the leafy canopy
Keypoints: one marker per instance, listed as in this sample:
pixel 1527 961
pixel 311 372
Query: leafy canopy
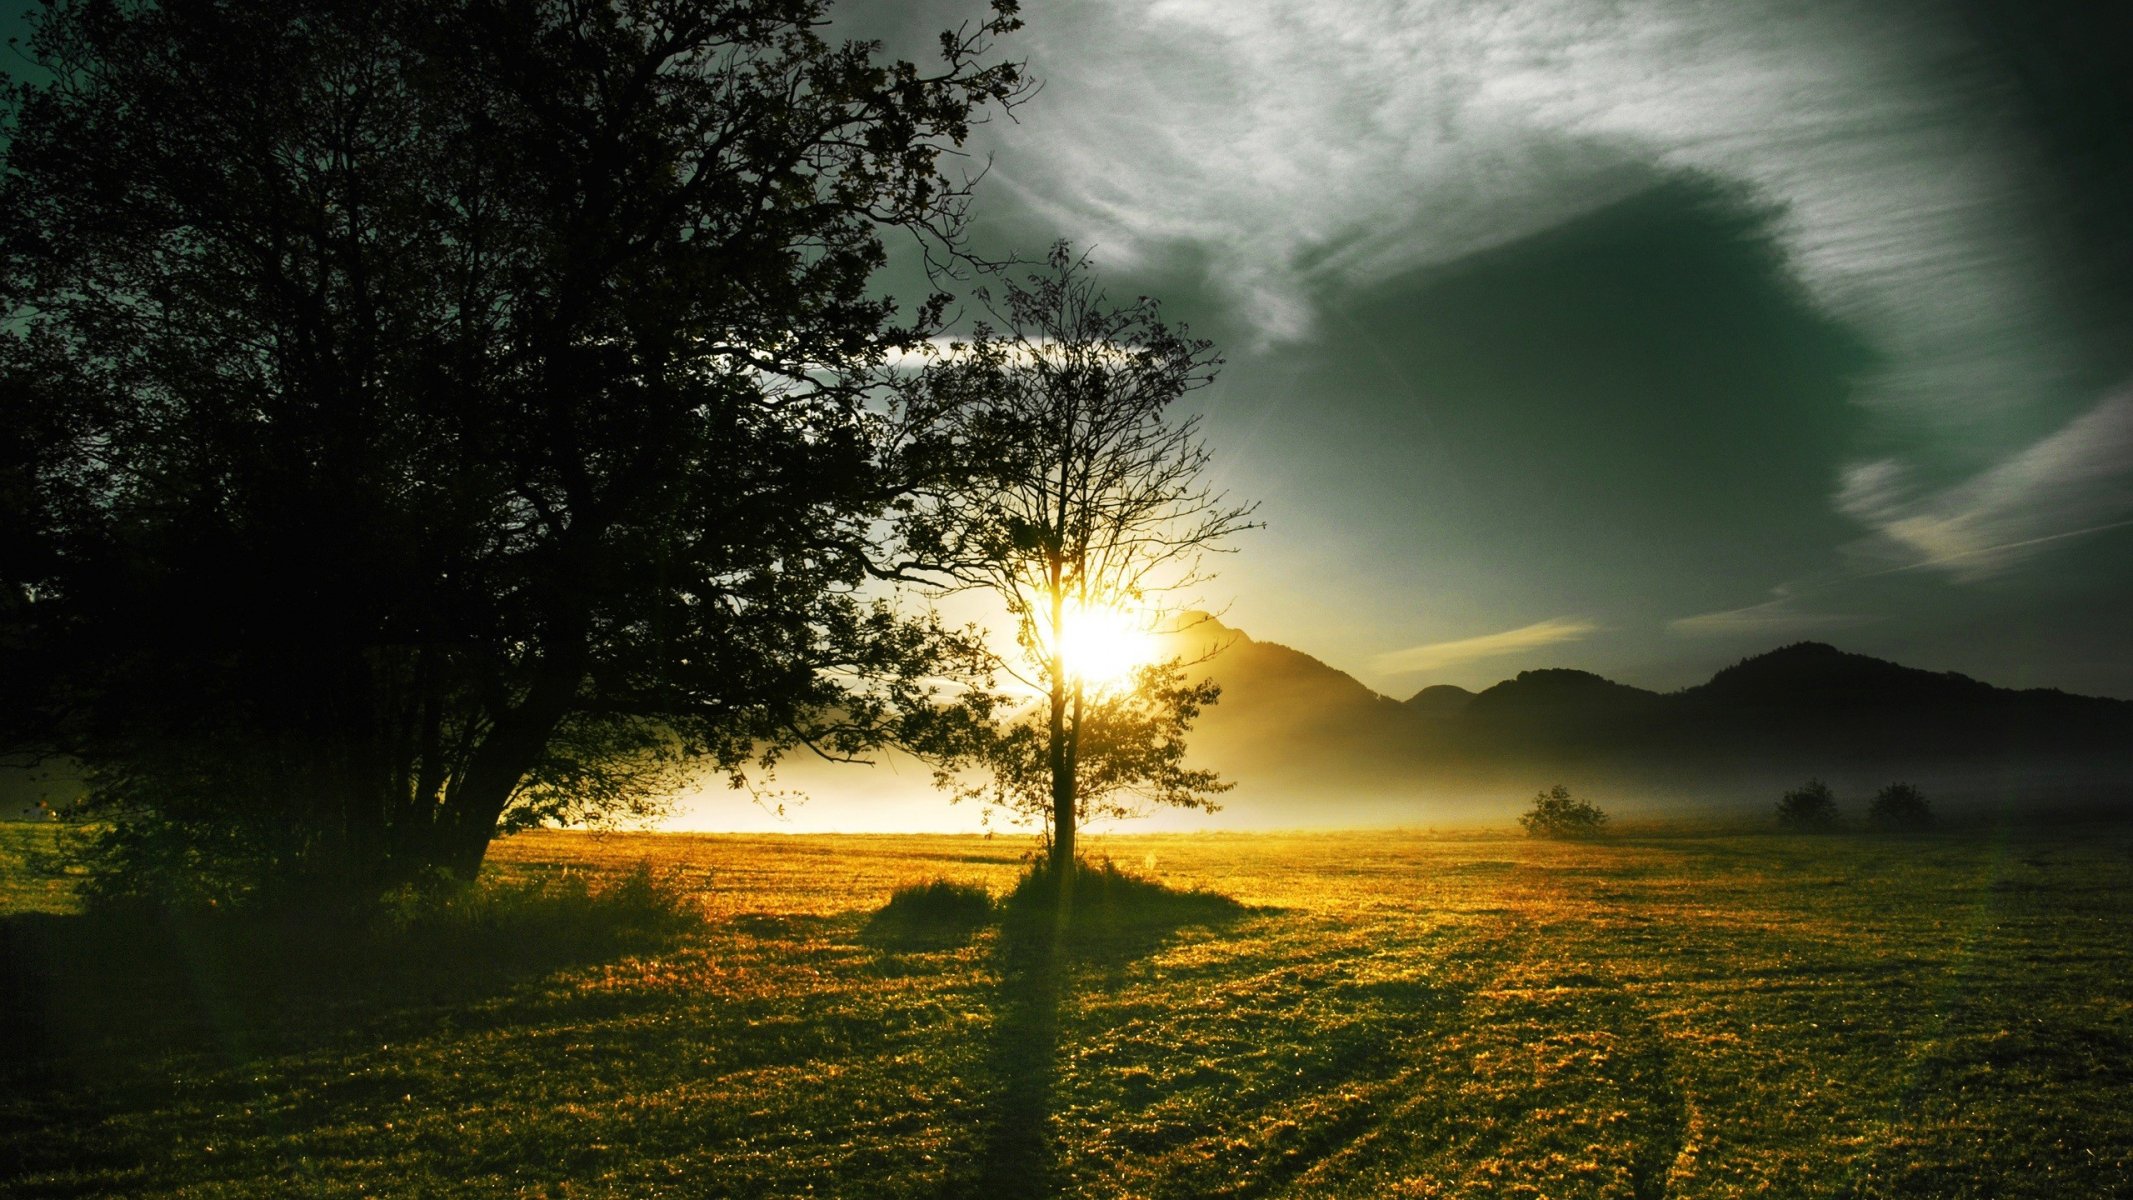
pixel 1900 806
pixel 438 416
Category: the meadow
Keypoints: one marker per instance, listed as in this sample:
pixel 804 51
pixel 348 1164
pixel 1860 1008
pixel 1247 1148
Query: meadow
pixel 1658 1013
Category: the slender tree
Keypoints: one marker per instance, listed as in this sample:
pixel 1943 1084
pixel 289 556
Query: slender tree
pixel 1098 505
pixel 436 416
pixel 1557 814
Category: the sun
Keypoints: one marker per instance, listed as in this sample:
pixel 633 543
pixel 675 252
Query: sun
pixel 1103 646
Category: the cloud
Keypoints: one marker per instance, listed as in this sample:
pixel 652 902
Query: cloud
pixel 1437 655
pixel 1780 617
pixel 2075 482
pixel 1298 149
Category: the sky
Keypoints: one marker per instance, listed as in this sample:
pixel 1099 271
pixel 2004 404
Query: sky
pixel 1636 336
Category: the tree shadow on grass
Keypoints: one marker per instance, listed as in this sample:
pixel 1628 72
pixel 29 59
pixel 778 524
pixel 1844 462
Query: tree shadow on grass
pixel 1016 1153
pixel 101 1013
pixel 1049 951
pixel 90 998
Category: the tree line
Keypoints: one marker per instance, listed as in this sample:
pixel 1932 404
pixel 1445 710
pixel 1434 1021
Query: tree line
pixel 431 418
pixel 1809 808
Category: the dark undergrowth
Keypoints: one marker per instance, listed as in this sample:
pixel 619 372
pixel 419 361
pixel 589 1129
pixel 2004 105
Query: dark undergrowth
pixel 1100 904
pixel 80 991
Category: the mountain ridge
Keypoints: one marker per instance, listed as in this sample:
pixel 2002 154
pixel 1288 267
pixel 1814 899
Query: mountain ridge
pixel 1765 722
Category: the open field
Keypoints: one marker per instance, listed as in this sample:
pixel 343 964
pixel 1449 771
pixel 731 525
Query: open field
pixel 1396 1015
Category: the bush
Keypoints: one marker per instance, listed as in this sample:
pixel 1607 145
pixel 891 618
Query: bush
pixel 1108 900
pixel 1809 808
pixel 1555 814
pixel 938 908
pixel 1900 806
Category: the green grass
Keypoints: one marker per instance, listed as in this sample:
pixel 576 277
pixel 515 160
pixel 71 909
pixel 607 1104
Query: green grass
pixel 1679 1014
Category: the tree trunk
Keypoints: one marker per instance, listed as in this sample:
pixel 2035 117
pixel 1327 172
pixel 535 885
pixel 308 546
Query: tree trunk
pixel 1061 759
pixel 476 802
pixel 1068 814
pixel 1063 806
pixel 1062 822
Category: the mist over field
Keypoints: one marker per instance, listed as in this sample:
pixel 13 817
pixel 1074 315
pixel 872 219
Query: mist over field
pixel 1310 747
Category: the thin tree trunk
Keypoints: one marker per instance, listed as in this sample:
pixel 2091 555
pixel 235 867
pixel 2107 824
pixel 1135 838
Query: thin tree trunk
pixel 1061 762
pixel 1063 806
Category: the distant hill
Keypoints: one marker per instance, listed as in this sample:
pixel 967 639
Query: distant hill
pixel 1440 700
pixel 1306 742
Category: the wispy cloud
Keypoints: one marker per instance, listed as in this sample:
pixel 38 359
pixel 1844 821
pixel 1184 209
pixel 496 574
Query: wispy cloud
pixel 1778 618
pixel 1297 148
pixel 2072 484
pixel 2076 482
pixel 1436 655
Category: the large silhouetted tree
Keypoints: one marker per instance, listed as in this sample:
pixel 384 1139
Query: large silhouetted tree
pixel 1099 503
pixel 434 416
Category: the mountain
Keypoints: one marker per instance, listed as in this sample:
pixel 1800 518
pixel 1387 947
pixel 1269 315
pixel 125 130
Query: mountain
pixel 1812 695
pixel 1301 739
pixel 1307 743
pixel 1440 700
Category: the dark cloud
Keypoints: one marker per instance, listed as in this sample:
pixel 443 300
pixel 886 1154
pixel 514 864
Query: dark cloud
pixel 2071 61
pixel 1641 389
pixel 1633 410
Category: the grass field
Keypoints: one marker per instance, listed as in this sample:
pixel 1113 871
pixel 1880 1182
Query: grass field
pixel 1392 1015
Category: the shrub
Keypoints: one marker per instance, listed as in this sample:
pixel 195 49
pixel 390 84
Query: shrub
pixel 1108 900
pixel 1900 806
pixel 936 907
pixel 1810 808
pixel 126 984
pixel 1555 814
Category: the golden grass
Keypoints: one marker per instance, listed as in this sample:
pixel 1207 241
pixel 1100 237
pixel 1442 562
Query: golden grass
pixel 1398 1015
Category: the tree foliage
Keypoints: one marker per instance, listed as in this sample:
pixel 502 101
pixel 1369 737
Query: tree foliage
pixel 1809 808
pixel 434 417
pixel 1900 806
pixel 1097 502
pixel 1555 814
pixel 1127 752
